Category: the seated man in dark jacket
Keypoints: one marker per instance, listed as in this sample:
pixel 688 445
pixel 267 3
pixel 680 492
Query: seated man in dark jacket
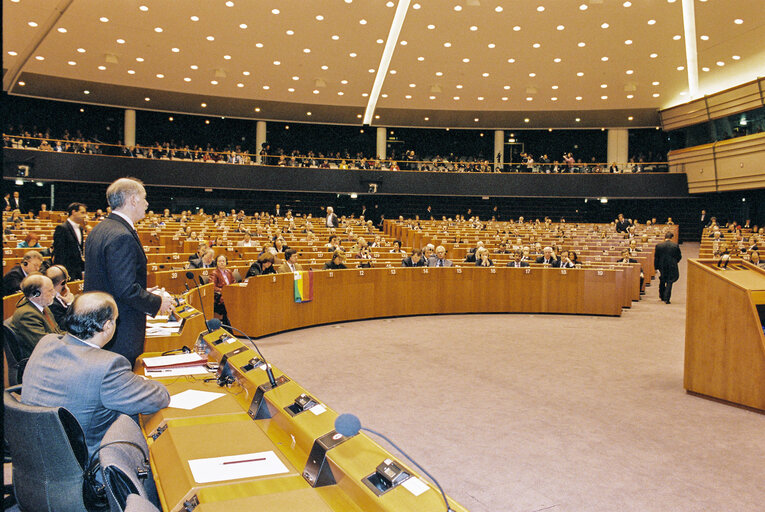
pixel 415 260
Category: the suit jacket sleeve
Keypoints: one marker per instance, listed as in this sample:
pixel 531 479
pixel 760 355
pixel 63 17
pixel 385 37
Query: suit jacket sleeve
pixel 121 261
pixel 30 328
pixel 677 254
pixel 126 392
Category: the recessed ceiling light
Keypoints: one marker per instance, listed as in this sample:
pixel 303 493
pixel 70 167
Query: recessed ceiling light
pixel 80 50
pixel 529 98
pixel 627 4
pixel 447 44
pixel 194 18
pixel 604 59
pixel 204 105
pixel 583 7
pixel 458 8
pixel 86 91
pixel 473 28
pixel 147 99
pixel 131 72
pixel 603 86
pixel 362 22
pixel 578 119
pixel 194 67
pixel 389 4
pixel 259 45
pixel 476 119
pixel 243 25
pixel 352 54
pixel 175 50
pixel 554 98
pixel 210 38
pixel 139 59
pixel 498 8
pixel 101 68
pixel 506 87
pixel 705 69
pixel 213 82
pixel 403 43
pixel 103 19
pixel 485 75
pixel 578 98
pixel 371 70
pixel 466 60
pixel 541 8
pixel 652 22
pixel 120 41
pixel 365 95
pixel 316 91
pixel 456 98
pixel 680 68
pixel 655 83
pixel 408 96
pixel 431 26
pixel 420 59
pixel 160 75
pixel 39 57
pixel 655 95
pixel 392 71
pixel 32 23
pixel 580 73
pixel 229 3
pixel 517 28
pixel 532 75
pixel 335 37
pixel 511 61
pixel 480 98
pixel 319 17
pixel 246 73
pixel 380 41
pixel 22 84
pixel 290 32
pixel 306 50
pixel 581 44
pixel 266 87
pixel 61 30
pixel 459 86
pixel 604 25
pixel 72 63
pixel 654 55
pixel 630 96
pixel 340 93
pixel 12 53
pixel 325 67
pixel 274 11
pixel 158 29
pixel 604 97
pixel 344 82
pixel 439 73
pixel 560 27
pixel 491 45
pixel 556 59
pixel 720 63
pixel 630 118
pixel 704 38
pixel 736 57
pixel 628 41
pixel 536 45
pixel 738 21
pixel 187 79
pixel 504 98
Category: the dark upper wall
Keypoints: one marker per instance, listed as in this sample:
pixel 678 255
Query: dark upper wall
pixel 65 167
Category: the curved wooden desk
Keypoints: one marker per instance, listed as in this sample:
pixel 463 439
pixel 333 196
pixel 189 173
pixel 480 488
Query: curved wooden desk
pixel 265 304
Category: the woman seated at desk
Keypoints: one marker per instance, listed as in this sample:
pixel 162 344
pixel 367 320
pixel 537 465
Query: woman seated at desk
pixel 336 263
pixel 482 258
pixel 31 241
pixel 221 277
pixel 263 265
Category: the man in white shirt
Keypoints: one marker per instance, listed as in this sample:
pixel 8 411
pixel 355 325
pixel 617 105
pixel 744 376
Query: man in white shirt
pixel 331 221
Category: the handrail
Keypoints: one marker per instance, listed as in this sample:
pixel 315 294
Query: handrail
pixel 284 160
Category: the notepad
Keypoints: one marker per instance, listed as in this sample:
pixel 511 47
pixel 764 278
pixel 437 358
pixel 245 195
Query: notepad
pixel 175 360
pixel 192 398
pixel 159 373
pixel 233 467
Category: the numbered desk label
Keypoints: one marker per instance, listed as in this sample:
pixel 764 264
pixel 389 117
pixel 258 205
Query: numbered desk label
pixel 174 275
pixel 563 271
pixel 600 272
pixel 361 272
pixel 393 271
pixel 493 270
pixel 459 270
pixel 331 274
pixel 527 271
pixel 425 270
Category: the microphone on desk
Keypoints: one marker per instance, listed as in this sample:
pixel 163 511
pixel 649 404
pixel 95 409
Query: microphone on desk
pixel 214 324
pixel 349 425
pixel 190 275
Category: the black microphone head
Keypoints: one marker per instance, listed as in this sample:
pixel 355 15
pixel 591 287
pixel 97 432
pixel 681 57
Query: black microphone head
pixel 189 275
pixel 213 324
pixel 347 424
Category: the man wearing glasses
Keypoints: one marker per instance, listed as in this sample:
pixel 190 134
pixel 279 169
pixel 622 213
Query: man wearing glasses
pixel 64 297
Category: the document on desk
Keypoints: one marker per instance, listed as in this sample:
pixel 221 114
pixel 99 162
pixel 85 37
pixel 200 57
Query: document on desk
pixel 175 360
pixel 233 467
pixel 192 398
pixel 160 373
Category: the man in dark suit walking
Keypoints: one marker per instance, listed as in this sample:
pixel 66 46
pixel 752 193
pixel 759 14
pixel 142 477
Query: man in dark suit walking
pixel 116 264
pixel 68 241
pixel 665 259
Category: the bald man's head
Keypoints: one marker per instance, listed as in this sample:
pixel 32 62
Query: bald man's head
pixel 38 289
pixel 88 314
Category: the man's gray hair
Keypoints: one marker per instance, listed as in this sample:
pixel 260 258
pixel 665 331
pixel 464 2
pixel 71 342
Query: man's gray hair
pixel 119 191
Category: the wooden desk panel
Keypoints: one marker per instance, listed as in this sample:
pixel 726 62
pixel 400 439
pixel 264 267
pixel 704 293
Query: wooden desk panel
pixel 265 304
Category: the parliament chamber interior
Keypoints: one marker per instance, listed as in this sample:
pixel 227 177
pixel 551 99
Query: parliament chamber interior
pixel 369 255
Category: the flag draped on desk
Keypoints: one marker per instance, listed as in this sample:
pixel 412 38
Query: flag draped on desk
pixel 303 286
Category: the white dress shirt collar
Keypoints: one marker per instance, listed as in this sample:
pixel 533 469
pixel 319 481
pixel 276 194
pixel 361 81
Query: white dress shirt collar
pixel 129 221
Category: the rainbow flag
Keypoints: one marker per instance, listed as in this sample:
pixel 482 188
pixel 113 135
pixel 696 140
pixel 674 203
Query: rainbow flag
pixel 303 286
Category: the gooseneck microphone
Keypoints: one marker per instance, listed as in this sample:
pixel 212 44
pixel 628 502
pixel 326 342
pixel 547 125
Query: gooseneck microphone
pixel 349 425
pixel 214 324
pixel 190 275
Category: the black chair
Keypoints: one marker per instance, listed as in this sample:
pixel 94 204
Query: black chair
pixel 16 363
pixel 124 459
pixel 49 455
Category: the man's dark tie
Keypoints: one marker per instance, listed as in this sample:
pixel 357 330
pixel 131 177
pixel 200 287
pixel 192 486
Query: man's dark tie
pixel 49 319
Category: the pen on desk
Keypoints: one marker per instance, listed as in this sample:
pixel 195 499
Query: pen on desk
pixel 245 460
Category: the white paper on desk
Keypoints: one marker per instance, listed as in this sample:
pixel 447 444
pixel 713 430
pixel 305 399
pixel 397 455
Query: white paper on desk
pixel 192 398
pixel 318 409
pixel 214 469
pixel 154 331
pixel 415 485
pixel 191 357
pixel 166 325
pixel 176 372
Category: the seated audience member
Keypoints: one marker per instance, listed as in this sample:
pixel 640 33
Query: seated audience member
pixel 279 246
pixel 574 257
pixel 72 371
pixel 428 252
pixel 32 319
pixel 518 260
pixel 59 277
pixel 31 241
pixel 627 258
pixel 263 265
pixel 622 224
pixel 221 277
pixel 30 262
pixel 333 244
pixel 207 261
pixel 290 262
pixel 482 258
pixel 439 259
pixel 564 261
pixel 754 259
pixel 197 256
pixel 364 256
pixel 548 257
pixel 247 241
pixel 336 263
pixel 397 248
pixel 472 253
pixel 415 260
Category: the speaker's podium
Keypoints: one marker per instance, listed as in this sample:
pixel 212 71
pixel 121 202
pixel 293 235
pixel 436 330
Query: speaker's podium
pixel 259 447
pixel 724 340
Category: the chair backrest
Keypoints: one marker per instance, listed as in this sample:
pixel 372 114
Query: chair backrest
pixel 123 455
pixel 137 503
pixel 204 279
pixel 237 275
pixel 49 454
pixel 16 363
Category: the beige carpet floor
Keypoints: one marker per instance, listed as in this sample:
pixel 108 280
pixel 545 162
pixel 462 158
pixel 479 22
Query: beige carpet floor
pixel 541 412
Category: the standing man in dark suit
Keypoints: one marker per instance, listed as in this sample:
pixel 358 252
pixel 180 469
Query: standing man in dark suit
pixel 622 224
pixel 16 203
pixel 95 385
pixel 116 264
pixel 68 240
pixel 665 259
pixel 703 222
